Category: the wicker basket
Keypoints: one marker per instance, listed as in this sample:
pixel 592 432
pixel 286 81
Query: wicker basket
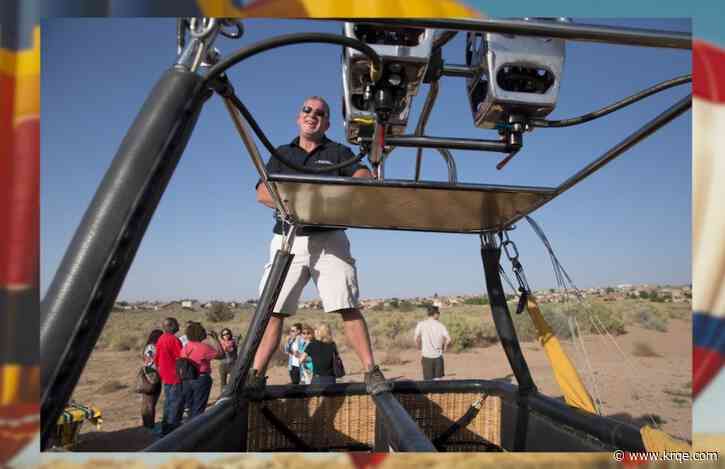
pixel 347 422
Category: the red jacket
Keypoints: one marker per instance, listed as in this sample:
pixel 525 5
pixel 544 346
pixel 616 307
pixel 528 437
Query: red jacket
pixel 168 349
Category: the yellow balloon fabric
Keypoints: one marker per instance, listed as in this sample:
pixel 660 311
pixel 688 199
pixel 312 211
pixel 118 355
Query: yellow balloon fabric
pixel 575 393
pixel 337 9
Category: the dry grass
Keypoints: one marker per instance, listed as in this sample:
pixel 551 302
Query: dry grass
pixel 470 325
pixel 111 386
pixel 641 349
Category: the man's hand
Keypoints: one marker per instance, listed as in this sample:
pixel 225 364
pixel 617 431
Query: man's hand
pixel 362 173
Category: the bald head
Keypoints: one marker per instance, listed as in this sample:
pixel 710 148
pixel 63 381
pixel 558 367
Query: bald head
pixel 170 325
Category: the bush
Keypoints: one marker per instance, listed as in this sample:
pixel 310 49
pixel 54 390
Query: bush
pixel 126 342
pixel 394 326
pixel 592 319
pixel 476 300
pixel 405 306
pixel 597 316
pixel 467 333
pixel 648 318
pixel 219 312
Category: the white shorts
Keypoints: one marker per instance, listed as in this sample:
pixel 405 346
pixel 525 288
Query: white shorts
pixel 325 257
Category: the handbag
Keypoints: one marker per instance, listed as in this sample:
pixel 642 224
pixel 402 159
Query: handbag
pixel 186 369
pixel 148 380
pixel 338 368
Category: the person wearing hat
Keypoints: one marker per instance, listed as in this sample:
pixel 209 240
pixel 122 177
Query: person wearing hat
pixel 432 339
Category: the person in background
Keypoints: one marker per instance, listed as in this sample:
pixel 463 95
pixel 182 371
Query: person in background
pixel 148 401
pixel 168 349
pixel 229 347
pixel 321 352
pixel 196 392
pixel 432 339
pixel 183 338
pixel 291 347
pixel 307 334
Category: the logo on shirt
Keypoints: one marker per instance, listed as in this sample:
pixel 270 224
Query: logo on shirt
pixel 324 162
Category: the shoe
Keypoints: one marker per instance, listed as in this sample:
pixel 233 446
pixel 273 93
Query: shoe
pixel 254 388
pixel 375 382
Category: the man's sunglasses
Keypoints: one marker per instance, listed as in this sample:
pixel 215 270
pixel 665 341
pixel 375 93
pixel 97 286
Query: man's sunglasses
pixel 316 112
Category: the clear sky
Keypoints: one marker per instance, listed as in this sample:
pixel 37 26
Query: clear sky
pixel 629 223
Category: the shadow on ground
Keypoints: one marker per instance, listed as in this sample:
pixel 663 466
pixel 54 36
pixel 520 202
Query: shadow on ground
pixel 129 439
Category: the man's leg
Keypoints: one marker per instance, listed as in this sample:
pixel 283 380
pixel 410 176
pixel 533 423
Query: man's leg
pixel 334 272
pixel 428 373
pixel 270 342
pixel 175 402
pixel 356 331
pixel 167 409
pixel 440 367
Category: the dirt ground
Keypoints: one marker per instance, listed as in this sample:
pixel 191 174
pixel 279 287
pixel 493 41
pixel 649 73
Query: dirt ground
pixel 632 387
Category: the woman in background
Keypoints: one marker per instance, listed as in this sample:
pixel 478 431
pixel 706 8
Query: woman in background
pixel 229 347
pixel 196 391
pixel 322 353
pixel 148 401
pixel 306 366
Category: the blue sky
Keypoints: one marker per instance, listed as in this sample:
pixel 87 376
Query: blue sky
pixel 629 223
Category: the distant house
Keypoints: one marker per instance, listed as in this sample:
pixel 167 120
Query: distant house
pixel 189 304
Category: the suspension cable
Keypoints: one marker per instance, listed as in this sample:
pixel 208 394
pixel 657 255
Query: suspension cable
pixel 216 79
pixel 599 327
pixel 615 106
pixel 273 151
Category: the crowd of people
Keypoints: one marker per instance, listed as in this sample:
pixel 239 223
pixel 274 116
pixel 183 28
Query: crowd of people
pixel 162 351
pixel 312 355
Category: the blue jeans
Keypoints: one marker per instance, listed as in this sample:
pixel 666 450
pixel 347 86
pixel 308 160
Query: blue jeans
pixel 196 394
pixel 173 407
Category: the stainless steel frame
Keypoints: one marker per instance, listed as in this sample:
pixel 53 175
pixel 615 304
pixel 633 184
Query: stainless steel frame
pixel 570 31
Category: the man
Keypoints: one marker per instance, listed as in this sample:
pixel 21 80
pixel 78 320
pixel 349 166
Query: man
pixel 168 349
pixel 322 254
pixel 432 339
pixel 291 347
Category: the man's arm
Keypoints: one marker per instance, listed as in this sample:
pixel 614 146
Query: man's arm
pixel 362 173
pixel 263 196
pixel 446 339
pixel 418 341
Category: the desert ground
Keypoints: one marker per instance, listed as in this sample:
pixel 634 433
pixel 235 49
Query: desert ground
pixel 645 376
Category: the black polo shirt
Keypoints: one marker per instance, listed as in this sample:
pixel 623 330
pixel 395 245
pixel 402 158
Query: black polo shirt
pixel 327 153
